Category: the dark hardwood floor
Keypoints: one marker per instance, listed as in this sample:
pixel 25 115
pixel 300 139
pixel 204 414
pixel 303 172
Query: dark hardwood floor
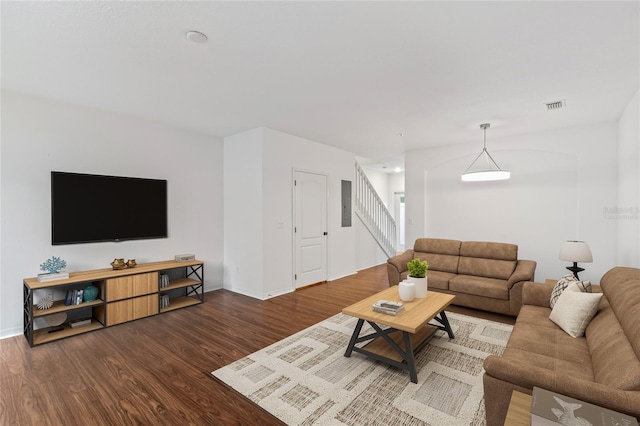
pixel 156 371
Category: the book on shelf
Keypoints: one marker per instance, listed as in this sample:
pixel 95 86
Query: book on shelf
pixel 80 322
pixel 387 307
pixel 164 280
pixel 74 297
pixel 68 300
pixel 553 409
pixel 48 276
pixel 164 301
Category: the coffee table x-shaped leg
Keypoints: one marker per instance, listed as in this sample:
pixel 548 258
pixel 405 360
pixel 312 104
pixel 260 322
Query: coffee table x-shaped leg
pixel 392 353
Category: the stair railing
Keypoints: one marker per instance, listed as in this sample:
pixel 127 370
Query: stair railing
pixel 374 214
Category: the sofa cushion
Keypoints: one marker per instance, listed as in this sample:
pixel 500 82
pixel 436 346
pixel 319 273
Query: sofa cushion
pixel 574 310
pixel 558 366
pixel 489 268
pixel 613 335
pixel 481 286
pixel 489 250
pixel 621 286
pixel 439 280
pixel 440 254
pixel 486 259
pixel 439 262
pixel 560 352
pixel 437 245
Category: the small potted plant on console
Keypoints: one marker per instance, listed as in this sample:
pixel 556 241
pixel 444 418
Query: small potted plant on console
pixel 418 275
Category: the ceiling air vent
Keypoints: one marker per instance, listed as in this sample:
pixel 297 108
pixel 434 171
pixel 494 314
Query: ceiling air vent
pixel 552 106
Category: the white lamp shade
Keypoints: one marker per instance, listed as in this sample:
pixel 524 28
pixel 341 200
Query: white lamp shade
pixel 576 251
pixel 485 175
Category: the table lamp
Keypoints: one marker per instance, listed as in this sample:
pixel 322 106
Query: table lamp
pixel 575 251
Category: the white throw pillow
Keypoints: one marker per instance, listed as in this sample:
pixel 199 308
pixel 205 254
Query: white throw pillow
pixel 574 310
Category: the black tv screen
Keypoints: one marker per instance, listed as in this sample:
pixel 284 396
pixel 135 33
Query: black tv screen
pixel 91 208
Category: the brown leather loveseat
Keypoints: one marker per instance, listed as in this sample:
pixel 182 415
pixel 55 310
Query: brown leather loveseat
pixel 482 275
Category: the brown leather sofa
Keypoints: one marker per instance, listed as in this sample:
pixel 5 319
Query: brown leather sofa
pixel 602 368
pixel 482 275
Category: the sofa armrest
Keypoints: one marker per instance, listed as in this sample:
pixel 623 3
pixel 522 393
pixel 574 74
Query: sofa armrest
pixel 537 294
pixel 525 271
pixel 524 375
pixel 396 265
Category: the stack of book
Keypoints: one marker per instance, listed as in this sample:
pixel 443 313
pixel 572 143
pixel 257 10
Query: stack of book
pixel 46 277
pixel 80 322
pixel 164 301
pixel 164 280
pixel 387 307
pixel 552 409
pixel 74 297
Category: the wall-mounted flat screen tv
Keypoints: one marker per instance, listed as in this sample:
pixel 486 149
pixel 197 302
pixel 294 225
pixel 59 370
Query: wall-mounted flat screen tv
pixel 89 208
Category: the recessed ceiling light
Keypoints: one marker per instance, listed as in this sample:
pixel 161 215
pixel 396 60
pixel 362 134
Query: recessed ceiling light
pixel 196 37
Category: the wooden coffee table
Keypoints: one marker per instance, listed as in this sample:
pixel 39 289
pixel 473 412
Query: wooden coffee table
pixel 403 335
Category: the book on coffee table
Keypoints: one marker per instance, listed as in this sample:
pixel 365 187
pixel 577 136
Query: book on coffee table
pixel 388 307
pixel 553 409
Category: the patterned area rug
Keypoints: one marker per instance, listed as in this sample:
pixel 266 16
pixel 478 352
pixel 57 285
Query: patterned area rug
pixel 306 380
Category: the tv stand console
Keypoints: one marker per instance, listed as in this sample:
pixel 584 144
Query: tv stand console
pixel 123 295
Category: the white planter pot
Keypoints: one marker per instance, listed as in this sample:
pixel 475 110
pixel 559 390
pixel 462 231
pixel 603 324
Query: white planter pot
pixel 421 286
pixel 406 291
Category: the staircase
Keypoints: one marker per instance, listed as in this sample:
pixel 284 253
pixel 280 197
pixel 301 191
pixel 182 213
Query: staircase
pixel 374 214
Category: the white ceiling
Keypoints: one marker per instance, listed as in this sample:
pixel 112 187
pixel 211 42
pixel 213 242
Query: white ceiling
pixel 354 75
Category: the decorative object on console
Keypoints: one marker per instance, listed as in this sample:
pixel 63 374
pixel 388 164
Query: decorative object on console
pixel 90 293
pixel 45 302
pixel 492 170
pixel 184 257
pixel 576 251
pixel 118 264
pixel 53 265
pixel 80 322
pixel 418 275
pixel 56 319
pixel 52 277
pixel 131 263
pixel 407 291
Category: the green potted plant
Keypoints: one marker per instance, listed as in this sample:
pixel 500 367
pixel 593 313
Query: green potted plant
pixel 418 275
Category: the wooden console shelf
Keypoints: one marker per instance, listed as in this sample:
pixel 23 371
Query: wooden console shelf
pixel 123 295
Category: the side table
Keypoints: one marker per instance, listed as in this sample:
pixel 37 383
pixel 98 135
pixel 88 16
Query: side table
pixel 518 413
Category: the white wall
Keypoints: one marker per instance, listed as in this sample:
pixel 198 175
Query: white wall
pixel 561 182
pixel 271 240
pixel 243 209
pixel 626 212
pixel 368 252
pixel 39 136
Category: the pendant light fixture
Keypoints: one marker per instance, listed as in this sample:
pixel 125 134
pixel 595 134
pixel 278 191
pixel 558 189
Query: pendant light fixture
pixel 484 173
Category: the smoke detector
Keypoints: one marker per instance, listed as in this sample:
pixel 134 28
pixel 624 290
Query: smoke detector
pixel 196 37
pixel 552 106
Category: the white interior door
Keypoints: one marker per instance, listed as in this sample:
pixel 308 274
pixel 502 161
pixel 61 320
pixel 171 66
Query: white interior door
pixel 310 228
